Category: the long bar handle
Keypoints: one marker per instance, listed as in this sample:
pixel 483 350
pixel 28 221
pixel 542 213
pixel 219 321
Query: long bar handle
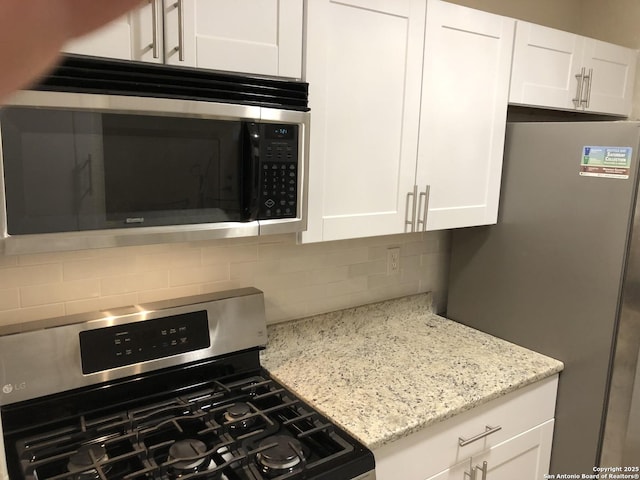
pixel 471 475
pixel 483 469
pixel 590 80
pixel 180 48
pixel 422 215
pixel 577 101
pixel 488 431
pixel 411 202
pixel 154 27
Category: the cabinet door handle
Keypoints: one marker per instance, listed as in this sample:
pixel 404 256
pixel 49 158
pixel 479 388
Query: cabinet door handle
pixel 577 101
pixel 411 203
pixel 472 475
pixel 180 48
pixel 154 27
pixel 589 79
pixel 483 469
pixel 488 431
pixel 422 215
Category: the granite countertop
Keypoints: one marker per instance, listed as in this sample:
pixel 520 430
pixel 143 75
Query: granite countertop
pixel 386 370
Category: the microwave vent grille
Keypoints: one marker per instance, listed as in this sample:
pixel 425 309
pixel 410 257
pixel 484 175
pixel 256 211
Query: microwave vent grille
pixel 83 74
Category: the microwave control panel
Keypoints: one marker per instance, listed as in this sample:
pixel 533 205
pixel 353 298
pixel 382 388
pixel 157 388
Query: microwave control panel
pixel 279 171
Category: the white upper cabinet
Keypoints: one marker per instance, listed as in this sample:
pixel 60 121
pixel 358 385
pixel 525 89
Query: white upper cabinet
pixel 114 40
pixel 465 89
pixel 545 62
pixel 560 70
pixel 363 65
pixel 378 79
pixel 611 73
pixel 262 37
pixel 250 36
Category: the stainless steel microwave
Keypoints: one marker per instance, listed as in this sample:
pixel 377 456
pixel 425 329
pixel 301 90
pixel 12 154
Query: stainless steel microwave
pixel 96 169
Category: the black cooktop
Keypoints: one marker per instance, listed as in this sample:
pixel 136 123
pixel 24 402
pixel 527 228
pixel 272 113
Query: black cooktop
pixel 210 420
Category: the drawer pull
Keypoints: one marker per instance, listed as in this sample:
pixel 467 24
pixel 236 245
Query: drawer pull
pixel 489 430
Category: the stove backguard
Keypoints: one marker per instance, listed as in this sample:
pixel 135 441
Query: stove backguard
pixel 61 354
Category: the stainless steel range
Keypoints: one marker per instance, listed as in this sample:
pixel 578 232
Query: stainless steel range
pixel 169 390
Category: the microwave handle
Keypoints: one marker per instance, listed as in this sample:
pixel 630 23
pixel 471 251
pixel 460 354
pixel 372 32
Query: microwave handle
pixel 251 153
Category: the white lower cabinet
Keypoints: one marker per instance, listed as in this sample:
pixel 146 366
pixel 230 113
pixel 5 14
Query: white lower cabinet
pixel 525 456
pixel 512 434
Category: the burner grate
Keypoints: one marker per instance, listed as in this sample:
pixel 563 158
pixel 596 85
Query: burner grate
pixel 225 430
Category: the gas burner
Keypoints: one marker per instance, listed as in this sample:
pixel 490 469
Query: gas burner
pixel 88 456
pixel 283 456
pixel 189 457
pixel 238 416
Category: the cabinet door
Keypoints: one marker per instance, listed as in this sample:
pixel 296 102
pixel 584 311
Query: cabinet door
pixel 363 65
pixel 465 89
pixel 545 64
pixel 114 40
pixel 525 456
pixel 135 36
pixel 612 72
pixel 250 36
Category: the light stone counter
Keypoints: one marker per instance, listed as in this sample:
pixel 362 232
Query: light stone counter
pixel 387 370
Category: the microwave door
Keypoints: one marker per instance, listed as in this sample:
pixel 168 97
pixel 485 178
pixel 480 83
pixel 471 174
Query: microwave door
pixel 71 170
pixel 167 170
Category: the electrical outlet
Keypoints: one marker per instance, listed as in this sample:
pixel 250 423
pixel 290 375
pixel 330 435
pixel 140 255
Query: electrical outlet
pixel 393 261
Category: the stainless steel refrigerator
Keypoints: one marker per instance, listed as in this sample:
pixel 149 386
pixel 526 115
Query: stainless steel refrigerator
pixel 560 274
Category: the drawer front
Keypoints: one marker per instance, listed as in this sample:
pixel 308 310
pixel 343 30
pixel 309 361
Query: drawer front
pixel 438 447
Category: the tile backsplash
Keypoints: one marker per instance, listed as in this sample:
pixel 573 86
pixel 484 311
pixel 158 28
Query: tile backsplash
pixel 298 280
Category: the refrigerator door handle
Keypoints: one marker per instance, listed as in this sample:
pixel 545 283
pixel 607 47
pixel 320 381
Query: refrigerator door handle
pixel 422 215
pixel 577 101
pixel 411 203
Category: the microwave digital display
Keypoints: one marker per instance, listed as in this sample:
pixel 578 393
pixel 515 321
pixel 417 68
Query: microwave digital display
pixel 275 132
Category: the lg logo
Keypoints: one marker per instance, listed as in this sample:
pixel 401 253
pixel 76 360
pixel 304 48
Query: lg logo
pixel 8 388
